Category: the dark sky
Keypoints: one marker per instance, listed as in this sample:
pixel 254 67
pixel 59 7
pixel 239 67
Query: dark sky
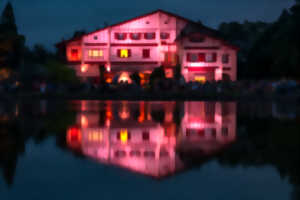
pixel 48 21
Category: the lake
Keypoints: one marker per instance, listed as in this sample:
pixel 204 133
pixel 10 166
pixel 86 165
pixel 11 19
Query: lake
pixel 149 150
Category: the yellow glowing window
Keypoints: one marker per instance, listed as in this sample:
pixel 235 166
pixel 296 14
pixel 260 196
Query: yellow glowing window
pixel 124 136
pixel 200 79
pixel 95 136
pixel 124 53
pixel 95 53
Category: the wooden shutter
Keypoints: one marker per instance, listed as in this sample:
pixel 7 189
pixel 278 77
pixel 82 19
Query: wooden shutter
pixel 201 57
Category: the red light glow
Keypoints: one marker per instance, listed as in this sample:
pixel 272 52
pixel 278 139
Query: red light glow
pixel 74 137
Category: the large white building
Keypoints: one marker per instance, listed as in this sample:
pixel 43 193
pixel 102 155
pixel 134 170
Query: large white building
pixel 155 39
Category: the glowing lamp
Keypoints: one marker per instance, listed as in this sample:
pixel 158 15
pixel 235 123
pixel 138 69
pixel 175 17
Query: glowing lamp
pixel 84 68
pixel 195 125
pixel 74 137
pixel 84 121
pixel 197 64
pixel 108 68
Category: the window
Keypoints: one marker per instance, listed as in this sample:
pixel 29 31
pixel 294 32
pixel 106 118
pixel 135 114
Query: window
pixel 211 57
pixel 149 36
pixel 164 35
pixel 196 39
pixel 74 54
pixel 120 36
pixel 225 131
pixel 123 135
pixel 124 53
pixel 120 154
pixel 146 53
pixel 135 36
pixel 149 154
pixel 95 53
pixel 95 37
pixel 146 136
pixel 200 79
pixel 225 58
pixel 192 57
pixel 135 153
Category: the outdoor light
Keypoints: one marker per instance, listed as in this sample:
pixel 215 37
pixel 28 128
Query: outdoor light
pixel 84 68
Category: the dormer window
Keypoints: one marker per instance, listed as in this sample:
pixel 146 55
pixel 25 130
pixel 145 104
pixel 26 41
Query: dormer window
pixel 164 35
pixel 150 36
pixel 120 36
pixel 135 36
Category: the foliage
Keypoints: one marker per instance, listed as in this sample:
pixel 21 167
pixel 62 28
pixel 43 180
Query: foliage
pixel 267 51
pixel 11 43
pixel 59 72
pixel 136 78
pixel 157 74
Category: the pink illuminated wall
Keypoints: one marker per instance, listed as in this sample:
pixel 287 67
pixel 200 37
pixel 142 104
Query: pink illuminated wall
pixel 157 23
pixel 141 144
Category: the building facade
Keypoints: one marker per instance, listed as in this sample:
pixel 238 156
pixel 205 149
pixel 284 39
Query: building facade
pixel 141 44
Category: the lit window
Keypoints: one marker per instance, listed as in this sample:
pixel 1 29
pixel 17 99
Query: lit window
pixel 200 79
pixel 211 57
pixel 120 36
pixel 74 54
pixel 124 136
pixel 146 53
pixel 124 53
pixel 135 36
pixel 150 36
pixel 95 53
pixel 225 58
pixel 164 35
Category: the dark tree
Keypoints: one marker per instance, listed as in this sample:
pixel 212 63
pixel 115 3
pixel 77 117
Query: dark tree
pixel 8 23
pixel 136 78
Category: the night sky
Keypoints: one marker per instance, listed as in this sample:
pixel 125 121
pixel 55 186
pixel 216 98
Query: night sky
pixel 48 21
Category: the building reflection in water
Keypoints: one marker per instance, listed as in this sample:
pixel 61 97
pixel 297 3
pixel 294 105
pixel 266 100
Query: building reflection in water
pixel 145 137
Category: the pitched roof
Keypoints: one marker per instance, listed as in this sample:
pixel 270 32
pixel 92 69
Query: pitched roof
pixel 193 26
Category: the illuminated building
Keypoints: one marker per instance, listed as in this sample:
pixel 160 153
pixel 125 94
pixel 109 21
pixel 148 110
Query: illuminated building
pixel 150 146
pixel 155 39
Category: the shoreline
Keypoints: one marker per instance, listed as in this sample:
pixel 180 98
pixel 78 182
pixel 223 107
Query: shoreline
pixel 151 97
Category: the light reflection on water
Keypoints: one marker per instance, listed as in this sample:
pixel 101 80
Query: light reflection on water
pixel 209 144
pixel 144 137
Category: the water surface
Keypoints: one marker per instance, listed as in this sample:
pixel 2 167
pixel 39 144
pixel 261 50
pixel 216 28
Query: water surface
pixel 149 150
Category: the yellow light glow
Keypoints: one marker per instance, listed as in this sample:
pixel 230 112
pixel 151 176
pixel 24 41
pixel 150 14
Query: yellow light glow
pixel 96 53
pixel 124 53
pixel 201 79
pixel 95 136
pixel 124 136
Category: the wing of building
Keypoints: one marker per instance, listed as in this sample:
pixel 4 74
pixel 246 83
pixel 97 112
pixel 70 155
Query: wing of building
pixel 146 42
